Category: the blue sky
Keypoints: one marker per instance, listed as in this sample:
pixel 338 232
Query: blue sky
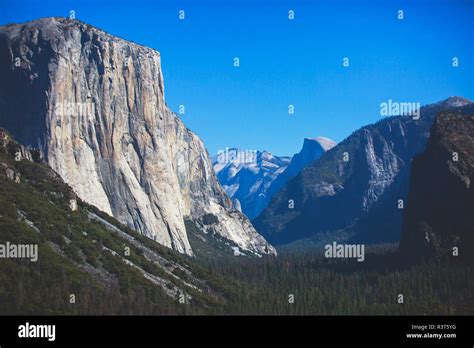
pixel 286 62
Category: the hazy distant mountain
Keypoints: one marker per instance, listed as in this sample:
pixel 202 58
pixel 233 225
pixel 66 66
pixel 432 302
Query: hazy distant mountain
pixel 254 182
pixel 247 175
pixel 440 211
pixel 354 188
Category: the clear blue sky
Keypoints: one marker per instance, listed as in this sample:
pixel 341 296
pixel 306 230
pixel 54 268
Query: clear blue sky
pixel 287 62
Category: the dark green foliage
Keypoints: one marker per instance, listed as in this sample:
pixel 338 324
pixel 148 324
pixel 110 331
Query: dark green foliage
pixel 76 254
pixel 338 287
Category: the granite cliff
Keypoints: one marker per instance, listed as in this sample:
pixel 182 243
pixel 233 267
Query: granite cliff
pixel 94 107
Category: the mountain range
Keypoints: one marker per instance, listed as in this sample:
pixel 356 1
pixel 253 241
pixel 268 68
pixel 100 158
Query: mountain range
pixel 132 216
pixel 357 190
pixel 253 183
pixel 246 181
pixel 93 107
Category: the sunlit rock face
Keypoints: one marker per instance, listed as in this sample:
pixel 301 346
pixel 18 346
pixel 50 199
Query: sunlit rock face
pixel 93 104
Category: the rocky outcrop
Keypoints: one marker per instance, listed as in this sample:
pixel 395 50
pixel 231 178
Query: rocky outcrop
pixel 247 175
pixel 17 152
pixel 12 157
pixel 354 189
pixel 93 104
pixel 439 215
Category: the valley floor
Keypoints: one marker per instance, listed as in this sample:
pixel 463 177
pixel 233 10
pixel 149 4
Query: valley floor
pixel 308 284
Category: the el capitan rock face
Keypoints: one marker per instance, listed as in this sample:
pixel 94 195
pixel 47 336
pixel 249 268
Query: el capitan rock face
pixel 357 198
pixel 93 104
pixel 440 211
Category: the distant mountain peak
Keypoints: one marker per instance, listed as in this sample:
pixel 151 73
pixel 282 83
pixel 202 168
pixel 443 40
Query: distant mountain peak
pixel 454 101
pixel 325 143
pixel 246 175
